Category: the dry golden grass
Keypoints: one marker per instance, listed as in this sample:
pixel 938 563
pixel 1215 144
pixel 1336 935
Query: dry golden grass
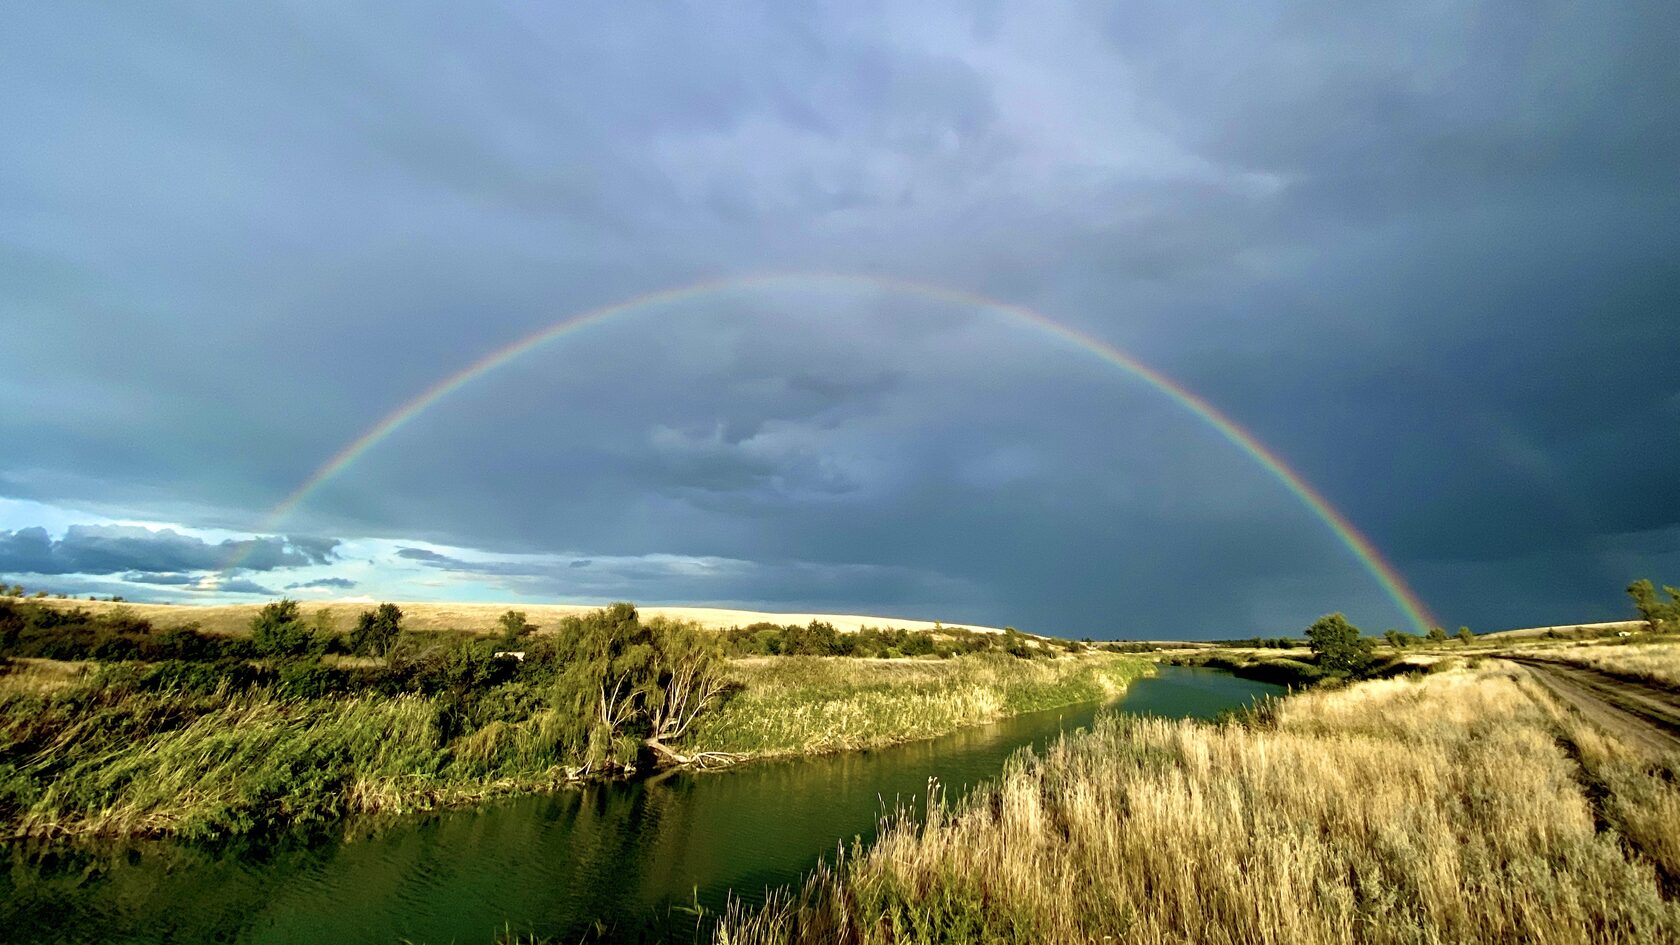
pixel 1656 662
pixel 39 677
pixel 1450 808
pixel 1568 629
pixel 480 618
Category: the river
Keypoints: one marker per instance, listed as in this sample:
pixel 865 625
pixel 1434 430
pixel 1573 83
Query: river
pixel 624 858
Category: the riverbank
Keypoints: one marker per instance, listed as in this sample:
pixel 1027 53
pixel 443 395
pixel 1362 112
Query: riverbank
pixel 814 705
pixel 1466 805
pixel 217 749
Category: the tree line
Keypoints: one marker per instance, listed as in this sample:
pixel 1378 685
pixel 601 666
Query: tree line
pixel 821 638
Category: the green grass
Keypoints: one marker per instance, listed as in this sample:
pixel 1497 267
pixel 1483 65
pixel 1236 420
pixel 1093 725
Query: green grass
pixel 89 750
pixel 807 705
pixel 96 759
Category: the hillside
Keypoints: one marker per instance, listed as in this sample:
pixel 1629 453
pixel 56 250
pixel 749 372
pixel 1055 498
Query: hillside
pixel 431 616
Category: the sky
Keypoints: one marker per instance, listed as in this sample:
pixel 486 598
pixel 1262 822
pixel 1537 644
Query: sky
pixel 1427 254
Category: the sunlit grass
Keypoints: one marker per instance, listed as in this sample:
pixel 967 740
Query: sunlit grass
pixel 1657 662
pixel 1442 808
pixel 802 705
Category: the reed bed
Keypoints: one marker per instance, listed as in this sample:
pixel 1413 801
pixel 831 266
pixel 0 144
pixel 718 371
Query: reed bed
pixel 208 767
pixel 810 705
pixel 1446 808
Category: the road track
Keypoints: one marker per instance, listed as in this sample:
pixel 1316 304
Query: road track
pixel 1639 712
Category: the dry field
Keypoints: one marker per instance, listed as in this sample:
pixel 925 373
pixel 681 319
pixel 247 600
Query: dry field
pixel 1655 662
pixel 1462 806
pixel 236 618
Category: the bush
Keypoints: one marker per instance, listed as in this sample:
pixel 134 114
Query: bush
pixel 376 631
pixel 278 630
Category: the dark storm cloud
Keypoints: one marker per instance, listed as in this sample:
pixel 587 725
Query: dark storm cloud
pixel 343 584
pixel 244 586
pixel 163 580
pixel 113 549
pixel 1425 254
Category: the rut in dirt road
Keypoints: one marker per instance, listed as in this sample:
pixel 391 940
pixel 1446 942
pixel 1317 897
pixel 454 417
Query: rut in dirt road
pixel 1639 712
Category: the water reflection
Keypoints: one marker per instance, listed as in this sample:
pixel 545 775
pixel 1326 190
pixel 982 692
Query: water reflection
pixel 620 855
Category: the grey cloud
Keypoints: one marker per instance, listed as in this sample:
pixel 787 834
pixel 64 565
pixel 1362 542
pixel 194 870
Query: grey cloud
pixel 165 580
pixel 244 586
pixel 1431 270
pixel 327 582
pixel 113 549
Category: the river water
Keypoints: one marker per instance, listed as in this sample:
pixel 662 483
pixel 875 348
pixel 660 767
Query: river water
pixel 628 860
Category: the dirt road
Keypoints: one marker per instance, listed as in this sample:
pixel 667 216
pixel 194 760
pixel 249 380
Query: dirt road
pixel 1636 711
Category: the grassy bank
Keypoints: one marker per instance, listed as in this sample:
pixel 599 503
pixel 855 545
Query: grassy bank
pixel 1463 806
pixel 809 705
pixel 110 727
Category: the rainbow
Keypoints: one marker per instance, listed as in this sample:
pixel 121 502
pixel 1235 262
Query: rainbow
pixel 1362 548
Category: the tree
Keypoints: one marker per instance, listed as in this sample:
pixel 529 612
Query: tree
pixel 278 630
pixel 1437 635
pixel 514 625
pixel 689 681
pixel 376 631
pixel 1658 614
pixel 1465 636
pixel 1644 595
pixel 608 659
pixel 1397 639
pixel 17 591
pixel 1338 646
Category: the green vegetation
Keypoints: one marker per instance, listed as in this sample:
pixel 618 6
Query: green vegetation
pixel 1463 806
pixel 207 736
pixel 376 631
pixel 823 639
pixel 1660 616
pixel 804 705
pixel 111 727
pixel 1338 647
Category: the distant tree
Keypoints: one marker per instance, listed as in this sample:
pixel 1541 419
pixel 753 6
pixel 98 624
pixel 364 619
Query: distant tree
pixel 514 625
pixel 17 591
pixel 1397 639
pixel 278 630
pixel 376 631
pixel 1015 644
pixel 1338 646
pixel 1644 595
pixel 1658 614
pixel 40 595
pixel 1465 636
pixel 1437 635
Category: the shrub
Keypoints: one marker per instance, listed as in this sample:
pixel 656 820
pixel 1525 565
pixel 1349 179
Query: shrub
pixel 278 630
pixel 376 631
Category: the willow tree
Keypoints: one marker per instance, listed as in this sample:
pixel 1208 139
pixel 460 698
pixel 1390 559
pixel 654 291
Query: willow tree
pixel 633 685
pixel 690 680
